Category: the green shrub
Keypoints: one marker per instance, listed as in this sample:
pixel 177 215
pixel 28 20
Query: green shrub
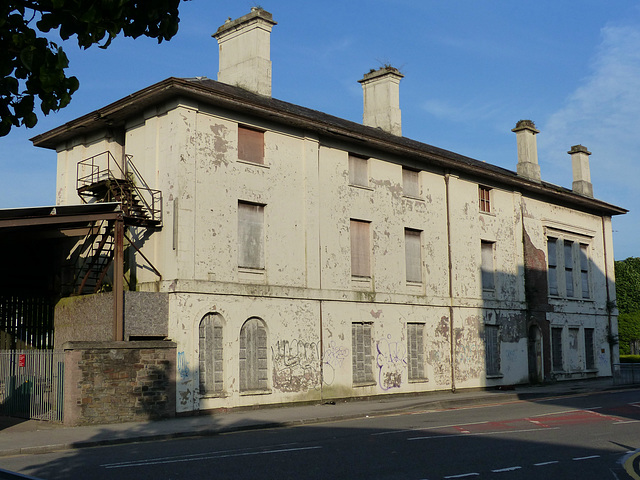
pixel 629 358
pixel 628 330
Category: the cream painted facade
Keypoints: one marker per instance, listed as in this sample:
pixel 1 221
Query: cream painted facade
pixel 323 332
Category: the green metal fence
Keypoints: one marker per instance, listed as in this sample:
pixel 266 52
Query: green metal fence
pixel 31 384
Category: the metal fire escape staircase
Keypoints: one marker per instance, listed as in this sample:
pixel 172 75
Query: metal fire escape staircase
pixel 102 178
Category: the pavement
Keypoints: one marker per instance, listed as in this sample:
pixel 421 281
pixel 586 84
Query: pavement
pixel 20 437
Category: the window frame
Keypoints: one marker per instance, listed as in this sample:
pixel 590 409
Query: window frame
pixel 410 182
pixel 589 349
pixel 487 275
pixel 557 356
pixel 484 199
pixel 552 266
pixel 413 269
pixel 360 237
pixel 251 147
pixel 211 355
pixel 253 358
pixel 585 271
pixel 492 350
pixel 569 265
pixel 362 354
pixel 416 359
pixel 358 171
pixel 254 232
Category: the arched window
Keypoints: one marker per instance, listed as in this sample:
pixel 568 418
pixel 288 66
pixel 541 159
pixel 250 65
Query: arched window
pixel 253 355
pixel 211 359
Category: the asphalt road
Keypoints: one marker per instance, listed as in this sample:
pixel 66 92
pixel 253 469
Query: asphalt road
pixel 581 437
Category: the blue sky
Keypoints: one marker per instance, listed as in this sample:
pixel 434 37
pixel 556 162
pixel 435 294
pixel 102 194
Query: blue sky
pixel 472 70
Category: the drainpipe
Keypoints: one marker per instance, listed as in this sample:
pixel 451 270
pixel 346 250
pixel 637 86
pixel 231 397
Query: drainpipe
pixel 118 280
pixel 451 332
pixel 320 280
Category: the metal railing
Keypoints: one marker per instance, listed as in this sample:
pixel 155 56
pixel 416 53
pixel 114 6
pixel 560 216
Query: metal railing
pixel 31 384
pixel 626 373
pixel 104 167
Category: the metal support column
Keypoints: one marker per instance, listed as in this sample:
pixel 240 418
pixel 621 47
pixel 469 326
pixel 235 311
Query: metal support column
pixel 118 280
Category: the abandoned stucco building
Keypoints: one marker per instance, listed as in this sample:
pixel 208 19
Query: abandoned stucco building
pixel 302 256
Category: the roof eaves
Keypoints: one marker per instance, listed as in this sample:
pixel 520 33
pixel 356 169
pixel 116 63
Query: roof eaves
pixel 235 98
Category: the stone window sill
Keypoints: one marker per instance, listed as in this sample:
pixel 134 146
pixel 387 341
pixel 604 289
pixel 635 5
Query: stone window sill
pixel 255 392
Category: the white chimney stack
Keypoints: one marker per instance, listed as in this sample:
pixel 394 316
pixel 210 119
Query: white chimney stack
pixel 527 150
pixel 381 89
pixel 581 171
pixel 245 51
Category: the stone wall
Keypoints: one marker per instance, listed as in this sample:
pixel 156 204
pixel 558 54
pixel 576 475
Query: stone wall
pixel 113 382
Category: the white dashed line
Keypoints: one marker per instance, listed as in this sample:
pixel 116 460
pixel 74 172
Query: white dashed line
pixel 586 458
pixel 508 469
pixel 464 475
pixel 542 464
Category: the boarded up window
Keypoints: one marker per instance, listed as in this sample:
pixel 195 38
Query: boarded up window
pixel 250 145
pixel 412 255
pixel 360 249
pixel 584 270
pixel 556 349
pixel 484 198
pixel 568 267
pixel 253 355
pixel 492 349
pixel 210 355
pixel 410 183
pixel 552 269
pixel 250 235
pixel 488 269
pixel 415 347
pixel 590 359
pixel 575 359
pixel 361 356
pixel 358 171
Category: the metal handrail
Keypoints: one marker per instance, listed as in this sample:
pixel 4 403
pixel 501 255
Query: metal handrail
pixel 151 198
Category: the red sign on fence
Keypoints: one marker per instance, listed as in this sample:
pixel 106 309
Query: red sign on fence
pixel 22 360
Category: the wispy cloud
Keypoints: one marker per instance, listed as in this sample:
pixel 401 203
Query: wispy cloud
pixel 602 113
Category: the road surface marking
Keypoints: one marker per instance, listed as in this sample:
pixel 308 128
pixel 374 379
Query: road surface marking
pixel 464 475
pixel 586 458
pixel 201 454
pixel 542 464
pixel 142 463
pixel 508 469
pixel 484 433
pixel 632 465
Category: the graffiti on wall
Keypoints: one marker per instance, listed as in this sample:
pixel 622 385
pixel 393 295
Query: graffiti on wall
pixel 333 359
pixel 296 365
pixel 392 361
pixel 183 365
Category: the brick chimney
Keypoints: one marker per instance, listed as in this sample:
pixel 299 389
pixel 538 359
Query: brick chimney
pixel 245 51
pixel 381 89
pixel 527 150
pixel 581 171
